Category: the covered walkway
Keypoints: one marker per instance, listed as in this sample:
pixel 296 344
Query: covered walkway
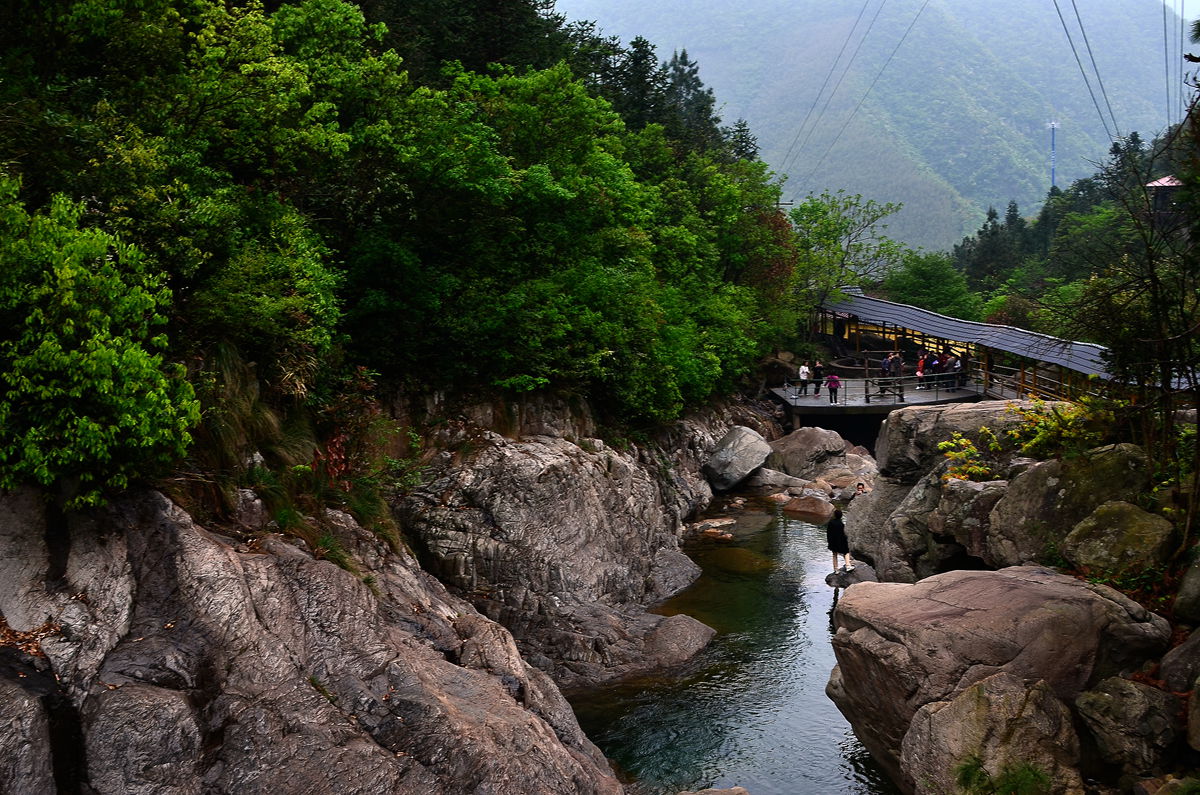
pixel 1000 362
pixel 1004 361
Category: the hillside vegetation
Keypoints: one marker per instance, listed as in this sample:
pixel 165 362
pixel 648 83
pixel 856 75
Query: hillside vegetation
pixel 957 120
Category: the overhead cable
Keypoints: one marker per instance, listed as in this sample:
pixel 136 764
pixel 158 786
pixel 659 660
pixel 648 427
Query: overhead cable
pixel 1096 68
pixel 1083 72
pixel 821 91
pixel 829 98
pixel 878 75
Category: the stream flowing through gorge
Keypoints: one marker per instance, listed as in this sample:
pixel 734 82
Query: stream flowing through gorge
pixel 751 709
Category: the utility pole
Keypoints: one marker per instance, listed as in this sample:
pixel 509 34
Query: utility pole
pixel 1053 126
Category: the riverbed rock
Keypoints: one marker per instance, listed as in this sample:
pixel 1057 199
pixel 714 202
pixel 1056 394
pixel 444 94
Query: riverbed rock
pixel 737 454
pixel 862 572
pixel 900 647
pixel 765 482
pixel 807 452
pixel 1133 724
pixel 1000 721
pixel 188 662
pixel 1119 538
pixel 814 510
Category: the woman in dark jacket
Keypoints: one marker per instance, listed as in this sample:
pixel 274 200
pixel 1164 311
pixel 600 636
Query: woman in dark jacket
pixel 835 538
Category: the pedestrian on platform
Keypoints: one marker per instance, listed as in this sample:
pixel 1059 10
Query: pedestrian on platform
pixel 833 383
pixel 818 374
pixel 804 375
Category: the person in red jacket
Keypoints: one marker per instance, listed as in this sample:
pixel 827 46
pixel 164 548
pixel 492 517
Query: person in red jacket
pixel 833 383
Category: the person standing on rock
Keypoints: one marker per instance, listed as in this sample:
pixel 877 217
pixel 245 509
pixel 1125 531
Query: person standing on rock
pixel 818 372
pixel 835 539
pixel 833 383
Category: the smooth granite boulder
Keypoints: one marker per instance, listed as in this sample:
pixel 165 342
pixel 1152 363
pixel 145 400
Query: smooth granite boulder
pixel 900 646
pixel 1002 722
pixel 738 453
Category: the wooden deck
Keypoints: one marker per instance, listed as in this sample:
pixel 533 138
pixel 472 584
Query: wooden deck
pixel 880 396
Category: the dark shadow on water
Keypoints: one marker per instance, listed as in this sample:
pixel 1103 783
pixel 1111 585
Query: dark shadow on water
pixel 751 709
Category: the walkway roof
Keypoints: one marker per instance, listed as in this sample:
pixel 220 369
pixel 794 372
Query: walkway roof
pixel 1081 357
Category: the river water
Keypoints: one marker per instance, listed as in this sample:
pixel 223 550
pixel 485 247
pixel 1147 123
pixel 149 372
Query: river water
pixel 751 709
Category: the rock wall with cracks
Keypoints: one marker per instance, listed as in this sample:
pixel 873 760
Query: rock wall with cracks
pixel 179 660
pixel 564 538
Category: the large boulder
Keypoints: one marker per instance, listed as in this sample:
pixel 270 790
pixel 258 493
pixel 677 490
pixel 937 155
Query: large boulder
pixel 872 535
pixel 563 543
pixel 999 721
pixel 184 661
pixel 1133 724
pixel 807 452
pixel 1181 664
pixel 1119 538
pixel 907 446
pixel 901 646
pixel 1187 599
pixel 740 452
pixel 814 510
pixel 1045 501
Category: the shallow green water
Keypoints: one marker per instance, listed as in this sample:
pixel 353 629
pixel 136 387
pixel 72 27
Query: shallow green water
pixel 751 710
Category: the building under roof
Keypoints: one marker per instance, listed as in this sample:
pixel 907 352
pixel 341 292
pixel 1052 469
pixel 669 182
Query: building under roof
pixel 1078 357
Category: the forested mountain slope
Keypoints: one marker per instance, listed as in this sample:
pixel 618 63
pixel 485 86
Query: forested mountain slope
pixel 957 121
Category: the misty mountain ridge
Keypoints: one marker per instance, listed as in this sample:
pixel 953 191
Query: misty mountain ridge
pixel 956 118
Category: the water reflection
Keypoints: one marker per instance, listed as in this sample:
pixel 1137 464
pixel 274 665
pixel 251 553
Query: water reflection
pixel 751 710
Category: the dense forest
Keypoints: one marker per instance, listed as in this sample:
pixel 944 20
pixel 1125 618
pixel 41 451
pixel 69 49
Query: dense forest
pixel 229 228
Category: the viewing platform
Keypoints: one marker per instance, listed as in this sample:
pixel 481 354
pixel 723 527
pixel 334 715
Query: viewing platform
pixel 880 396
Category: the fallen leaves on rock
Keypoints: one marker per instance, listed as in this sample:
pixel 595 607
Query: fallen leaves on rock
pixel 29 642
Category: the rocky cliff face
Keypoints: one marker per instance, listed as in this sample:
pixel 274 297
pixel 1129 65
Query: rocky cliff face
pixel 178 660
pixel 141 652
pixel 565 539
pixel 1022 665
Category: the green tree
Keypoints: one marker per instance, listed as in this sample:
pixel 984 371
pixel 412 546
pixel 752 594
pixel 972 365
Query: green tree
pixel 931 281
pixel 840 242
pixel 87 402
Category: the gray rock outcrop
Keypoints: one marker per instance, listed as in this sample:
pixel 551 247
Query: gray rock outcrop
pixel 1045 502
pixel 935 524
pixel 900 647
pixel 806 452
pixel 566 541
pixel 738 453
pixel 1119 538
pixel 564 544
pixel 1001 722
pixel 187 662
pixel 907 447
pixel 1133 724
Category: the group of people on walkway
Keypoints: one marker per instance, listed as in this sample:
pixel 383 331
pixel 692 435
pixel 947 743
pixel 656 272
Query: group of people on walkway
pixel 944 370
pixel 815 374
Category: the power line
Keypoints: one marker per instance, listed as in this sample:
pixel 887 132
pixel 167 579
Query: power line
pixel 1096 68
pixel 828 99
pixel 867 93
pixel 1083 71
pixel 821 91
pixel 1167 64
